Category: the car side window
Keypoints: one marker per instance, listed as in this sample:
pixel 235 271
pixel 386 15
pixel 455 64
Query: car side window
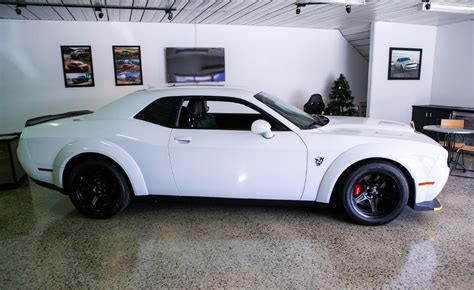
pixel 221 114
pixel 163 112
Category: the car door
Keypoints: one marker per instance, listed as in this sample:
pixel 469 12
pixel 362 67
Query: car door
pixel 228 160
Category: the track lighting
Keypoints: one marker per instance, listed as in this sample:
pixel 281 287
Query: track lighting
pixel 170 14
pixel 18 4
pixel 426 5
pixel 347 3
pixel 99 9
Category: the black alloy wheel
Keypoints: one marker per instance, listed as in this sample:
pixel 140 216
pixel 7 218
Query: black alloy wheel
pixel 375 193
pixel 97 188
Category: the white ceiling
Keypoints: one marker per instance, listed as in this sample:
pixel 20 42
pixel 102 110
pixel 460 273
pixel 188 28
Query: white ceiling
pixel 354 26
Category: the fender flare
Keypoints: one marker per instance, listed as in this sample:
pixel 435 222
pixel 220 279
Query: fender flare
pixel 357 154
pixel 103 147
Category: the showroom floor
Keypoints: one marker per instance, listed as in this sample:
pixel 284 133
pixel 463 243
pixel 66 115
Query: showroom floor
pixel 44 242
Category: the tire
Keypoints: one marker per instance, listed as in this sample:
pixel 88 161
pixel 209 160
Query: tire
pixel 98 188
pixel 374 193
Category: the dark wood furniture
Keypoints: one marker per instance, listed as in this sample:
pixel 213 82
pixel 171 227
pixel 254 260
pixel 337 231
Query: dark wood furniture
pixel 12 174
pixel 432 114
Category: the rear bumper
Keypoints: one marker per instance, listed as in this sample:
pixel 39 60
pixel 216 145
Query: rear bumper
pixel 433 205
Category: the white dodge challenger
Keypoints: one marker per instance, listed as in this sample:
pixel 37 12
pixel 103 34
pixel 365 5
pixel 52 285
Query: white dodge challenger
pixel 232 143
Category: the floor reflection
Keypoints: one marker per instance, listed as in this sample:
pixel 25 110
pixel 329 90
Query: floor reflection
pixel 45 242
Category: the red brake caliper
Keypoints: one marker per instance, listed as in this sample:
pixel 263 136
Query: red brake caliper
pixel 357 190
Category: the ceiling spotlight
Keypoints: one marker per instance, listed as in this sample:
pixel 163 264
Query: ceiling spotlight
pixel 99 9
pixel 170 16
pixel 348 8
pixel 426 5
pixel 18 11
pixel 298 11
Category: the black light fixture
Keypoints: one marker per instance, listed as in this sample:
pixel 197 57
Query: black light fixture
pixel 347 3
pixel 18 6
pixel 427 4
pixel 298 9
pixel 170 14
pixel 99 9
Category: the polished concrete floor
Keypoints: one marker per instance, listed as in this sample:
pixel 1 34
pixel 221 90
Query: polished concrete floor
pixel 45 242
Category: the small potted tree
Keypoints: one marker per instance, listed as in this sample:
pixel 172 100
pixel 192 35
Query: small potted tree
pixel 341 99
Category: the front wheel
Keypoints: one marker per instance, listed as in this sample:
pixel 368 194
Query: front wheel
pixel 98 188
pixel 375 193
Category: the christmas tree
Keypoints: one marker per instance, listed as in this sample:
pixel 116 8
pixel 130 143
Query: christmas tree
pixel 341 98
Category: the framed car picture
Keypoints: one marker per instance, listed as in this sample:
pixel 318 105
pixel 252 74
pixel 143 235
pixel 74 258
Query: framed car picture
pixel 404 63
pixel 77 66
pixel 127 65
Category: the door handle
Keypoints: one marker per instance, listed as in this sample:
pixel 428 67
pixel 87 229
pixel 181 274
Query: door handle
pixel 182 140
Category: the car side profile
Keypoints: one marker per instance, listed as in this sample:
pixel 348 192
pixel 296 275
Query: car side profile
pixel 232 143
pixel 79 54
pixel 405 64
pixel 80 80
pixel 78 66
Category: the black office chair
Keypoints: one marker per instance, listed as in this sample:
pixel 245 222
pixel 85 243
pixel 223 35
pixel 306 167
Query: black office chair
pixel 315 105
pixel 198 116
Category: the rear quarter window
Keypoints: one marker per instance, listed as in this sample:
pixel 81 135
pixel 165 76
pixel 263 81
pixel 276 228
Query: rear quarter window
pixel 163 112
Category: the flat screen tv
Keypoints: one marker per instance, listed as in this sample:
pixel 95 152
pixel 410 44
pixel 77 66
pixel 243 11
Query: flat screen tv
pixel 195 65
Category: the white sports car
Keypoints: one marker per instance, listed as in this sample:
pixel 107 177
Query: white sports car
pixel 232 143
pixel 405 64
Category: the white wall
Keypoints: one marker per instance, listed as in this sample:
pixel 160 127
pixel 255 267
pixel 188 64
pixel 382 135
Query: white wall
pixel 291 63
pixel 393 99
pixel 453 76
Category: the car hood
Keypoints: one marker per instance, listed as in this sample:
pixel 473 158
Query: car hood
pixel 370 127
pixel 408 62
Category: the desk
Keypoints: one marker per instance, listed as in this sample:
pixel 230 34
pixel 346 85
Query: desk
pixel 451 134
pixel 424 115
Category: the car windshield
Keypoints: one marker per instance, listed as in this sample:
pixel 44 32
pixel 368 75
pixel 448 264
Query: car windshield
pixel 292 114
pixel 404 59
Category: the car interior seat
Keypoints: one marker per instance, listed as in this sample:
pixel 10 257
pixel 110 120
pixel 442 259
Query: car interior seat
pixel 198 116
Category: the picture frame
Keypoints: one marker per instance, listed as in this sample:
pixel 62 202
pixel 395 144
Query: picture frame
pixel 404 63
pixel 127 65
pixel 78 70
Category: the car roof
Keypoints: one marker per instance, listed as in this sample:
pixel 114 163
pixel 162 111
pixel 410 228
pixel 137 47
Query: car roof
pixel 129 105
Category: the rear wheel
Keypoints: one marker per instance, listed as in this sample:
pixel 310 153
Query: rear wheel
pixel 375 193
pixel 98 188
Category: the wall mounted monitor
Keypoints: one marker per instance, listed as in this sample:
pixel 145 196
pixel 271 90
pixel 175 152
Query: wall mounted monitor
pixel 195 65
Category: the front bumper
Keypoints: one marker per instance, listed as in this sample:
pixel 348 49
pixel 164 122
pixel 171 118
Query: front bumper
pixel 433 205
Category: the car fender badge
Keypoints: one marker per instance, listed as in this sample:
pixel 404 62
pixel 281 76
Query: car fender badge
pixel 319 160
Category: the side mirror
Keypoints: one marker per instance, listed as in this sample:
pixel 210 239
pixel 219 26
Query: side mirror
pixel 262 127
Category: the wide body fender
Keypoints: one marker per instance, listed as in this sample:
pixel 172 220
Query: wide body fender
pixel 418 161
pixel 103 147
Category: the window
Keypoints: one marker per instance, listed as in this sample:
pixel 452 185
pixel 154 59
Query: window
pixel 163 112
pixel 222 113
